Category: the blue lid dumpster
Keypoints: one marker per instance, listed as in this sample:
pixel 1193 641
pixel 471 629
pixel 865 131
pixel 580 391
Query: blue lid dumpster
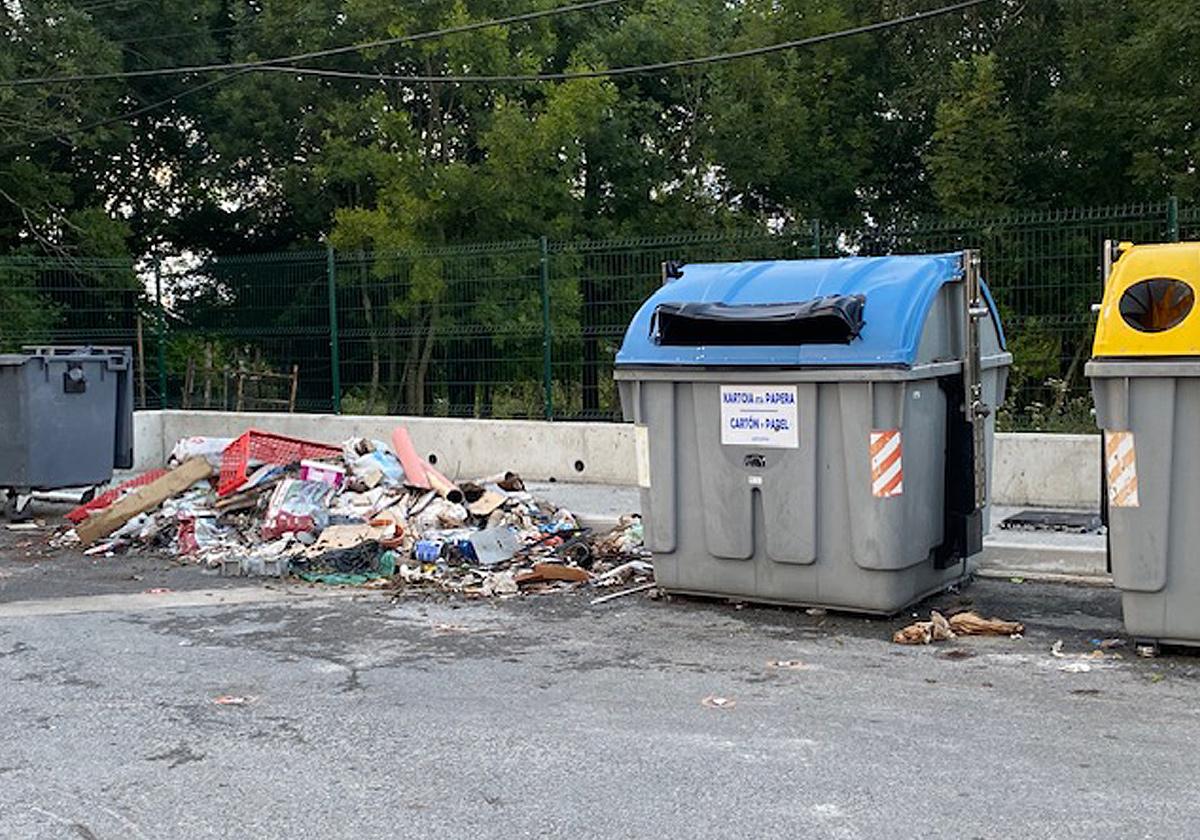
pixel 815 432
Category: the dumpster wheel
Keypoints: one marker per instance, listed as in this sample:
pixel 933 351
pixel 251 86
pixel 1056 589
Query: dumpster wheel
pixel 16 504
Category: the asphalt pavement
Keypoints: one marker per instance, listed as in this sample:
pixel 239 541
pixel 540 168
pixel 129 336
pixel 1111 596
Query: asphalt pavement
pixel 300 713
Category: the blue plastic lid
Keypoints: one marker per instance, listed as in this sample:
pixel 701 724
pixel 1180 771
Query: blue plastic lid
pixel 899 291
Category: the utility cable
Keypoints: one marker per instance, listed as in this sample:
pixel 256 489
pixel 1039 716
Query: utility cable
pixel 638 68
pixel 581 74
pixel 251 65
pixel 137 112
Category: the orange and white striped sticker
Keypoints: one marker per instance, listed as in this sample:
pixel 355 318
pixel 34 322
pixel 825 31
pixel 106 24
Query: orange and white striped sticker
pixel 887 474
pixel 1121 468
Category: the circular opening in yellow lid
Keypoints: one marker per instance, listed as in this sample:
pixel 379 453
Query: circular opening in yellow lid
pixel 1157 304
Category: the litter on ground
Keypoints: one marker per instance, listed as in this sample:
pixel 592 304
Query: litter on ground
pixel 362 513
pixel 939 628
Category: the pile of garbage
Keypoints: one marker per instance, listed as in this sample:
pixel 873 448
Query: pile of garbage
pixel 364 513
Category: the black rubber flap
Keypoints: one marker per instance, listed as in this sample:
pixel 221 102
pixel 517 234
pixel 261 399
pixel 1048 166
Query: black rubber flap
pixel 834 319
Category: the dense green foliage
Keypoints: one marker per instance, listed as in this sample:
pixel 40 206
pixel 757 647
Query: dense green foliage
pixel 1007 105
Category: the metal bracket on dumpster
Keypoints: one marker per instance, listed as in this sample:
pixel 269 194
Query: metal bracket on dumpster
pixel 975 409
pixel 966 442
pixel 74 380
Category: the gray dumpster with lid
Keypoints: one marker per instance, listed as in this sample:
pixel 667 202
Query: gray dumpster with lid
pixel 815 432
pixel 67 416
pixel 1145 377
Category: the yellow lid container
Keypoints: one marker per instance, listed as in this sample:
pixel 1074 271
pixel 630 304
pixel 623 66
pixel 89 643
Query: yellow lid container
pixel 1149 306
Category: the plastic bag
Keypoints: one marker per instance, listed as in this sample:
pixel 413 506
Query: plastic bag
pixel 297 506
pixel 368 458
pixel 209 448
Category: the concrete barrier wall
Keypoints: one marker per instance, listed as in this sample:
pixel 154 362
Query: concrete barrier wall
pixel 601 453
pixel 1029 469
pixel 1047 470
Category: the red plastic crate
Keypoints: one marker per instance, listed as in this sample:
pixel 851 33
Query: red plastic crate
pixel 112 494
pixel 269 448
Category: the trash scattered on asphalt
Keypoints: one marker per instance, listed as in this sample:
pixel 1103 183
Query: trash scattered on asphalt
pixel 1081 663
pixel 605 598
pixel 1075 667
pixel 232 700
pixel 25 526
pixel 972 624
pixel 939 628
pixel 713 701
pixel 361 513
pixel 788 665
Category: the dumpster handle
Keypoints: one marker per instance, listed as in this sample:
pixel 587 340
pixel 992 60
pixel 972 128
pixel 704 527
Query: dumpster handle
pixel 975 409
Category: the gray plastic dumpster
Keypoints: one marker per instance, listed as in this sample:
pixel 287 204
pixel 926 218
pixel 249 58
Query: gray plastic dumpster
pixel 1145 375
pixel 815 432
pixel 67 416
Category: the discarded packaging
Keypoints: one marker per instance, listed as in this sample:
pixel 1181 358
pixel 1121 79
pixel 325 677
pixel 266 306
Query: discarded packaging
pixel 296 506
pixel 939 628
pixel 544 572
pixel 330 474
pixel 972 624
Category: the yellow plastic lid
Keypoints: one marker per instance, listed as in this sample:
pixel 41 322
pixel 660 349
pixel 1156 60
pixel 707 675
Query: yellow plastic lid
pixel 1149 306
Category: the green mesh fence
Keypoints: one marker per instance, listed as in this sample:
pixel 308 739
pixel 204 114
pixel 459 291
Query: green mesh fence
pixel 524 329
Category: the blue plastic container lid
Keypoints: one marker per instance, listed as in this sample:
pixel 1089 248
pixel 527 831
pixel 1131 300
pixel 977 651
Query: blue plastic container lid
pixel 899 290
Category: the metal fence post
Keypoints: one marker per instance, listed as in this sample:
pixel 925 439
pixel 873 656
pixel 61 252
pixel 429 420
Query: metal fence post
pixel 334 361
pixel 160 329
pixel 547 373
pixel 1173 218
pixel 815 224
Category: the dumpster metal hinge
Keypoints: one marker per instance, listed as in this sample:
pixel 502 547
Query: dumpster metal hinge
pixel 975 409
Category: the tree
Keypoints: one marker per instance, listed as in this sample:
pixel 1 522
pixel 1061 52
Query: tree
pixel 973 159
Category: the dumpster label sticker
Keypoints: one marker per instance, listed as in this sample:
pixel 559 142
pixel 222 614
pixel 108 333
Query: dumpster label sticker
pixel 1121 468
pixel 759 415
pixel 887 471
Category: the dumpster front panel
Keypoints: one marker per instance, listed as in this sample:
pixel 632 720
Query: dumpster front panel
pixel 798 525
pixel 74 401
pixel 1153 535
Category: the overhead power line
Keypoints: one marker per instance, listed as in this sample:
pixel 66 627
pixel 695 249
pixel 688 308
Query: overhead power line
pixel 582 74
pixel 637 68
pixel 251 65
pixel 176 36
pixel 116 118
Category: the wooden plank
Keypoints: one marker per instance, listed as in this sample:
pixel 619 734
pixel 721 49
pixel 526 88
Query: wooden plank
pixel 295 385
pixel 414 467
pixel 485 504
pixel 543 572
pixel 104 522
